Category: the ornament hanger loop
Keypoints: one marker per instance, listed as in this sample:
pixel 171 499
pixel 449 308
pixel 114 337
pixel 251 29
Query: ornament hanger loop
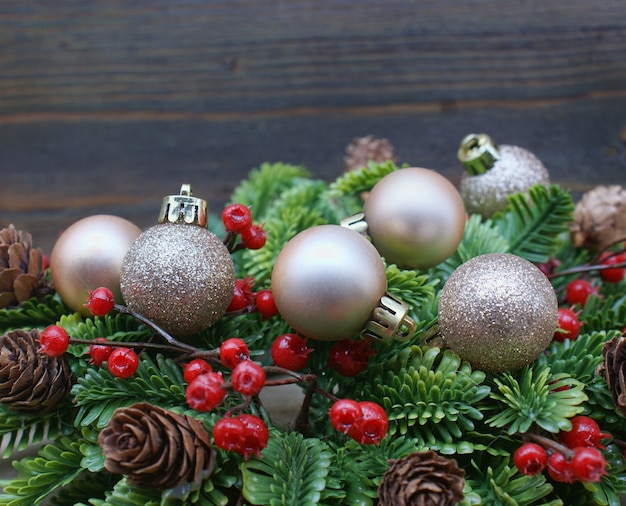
pixel 184 208
pixel 357 223
pixel 478 153
pixel 390 319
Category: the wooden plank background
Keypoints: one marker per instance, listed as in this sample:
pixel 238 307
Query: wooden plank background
pixel 107 105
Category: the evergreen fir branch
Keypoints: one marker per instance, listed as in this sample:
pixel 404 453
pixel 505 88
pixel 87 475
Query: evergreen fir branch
pixel 603 313
pixel 609 490
pixel 18 430
pixel 264 185
pixel 124 494
pixel 497 481
pixel 33 313
pixel 412 287
pixel 535 396
pixel 293 470
pixel 361 180
pixel 534 223
pixel 429 395
pixel 479 238
pixel 86 486
pixel 98 393
pixel 55 466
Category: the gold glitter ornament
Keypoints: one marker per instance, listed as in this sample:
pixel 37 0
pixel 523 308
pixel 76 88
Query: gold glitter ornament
pixel 498 311
pixel 177 273
pixel 494 172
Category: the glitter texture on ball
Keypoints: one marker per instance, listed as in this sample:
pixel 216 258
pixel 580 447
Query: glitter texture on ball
pixel 498 311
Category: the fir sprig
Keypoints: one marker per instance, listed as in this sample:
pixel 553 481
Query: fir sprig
pixel 33 313
pixel 361 180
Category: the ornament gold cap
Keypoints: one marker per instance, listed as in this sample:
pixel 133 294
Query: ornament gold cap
pixel 478 153
pixel 357 223
pixel 184 208
pixel 389 320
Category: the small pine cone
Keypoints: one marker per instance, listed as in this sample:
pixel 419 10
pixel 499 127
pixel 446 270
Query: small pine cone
pixel 422 479
pixel 613 370
pixel 364 149
pixel 21 267
pixel 156 448
pixel 31 381
pixel 600 217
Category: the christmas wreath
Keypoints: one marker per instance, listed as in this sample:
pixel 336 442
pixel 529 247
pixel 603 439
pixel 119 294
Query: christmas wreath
pixel 485 364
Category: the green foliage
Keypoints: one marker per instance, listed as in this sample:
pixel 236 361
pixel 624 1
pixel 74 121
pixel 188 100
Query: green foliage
pixel 534 224
pixel 87 485
pixel 98 393
pixel 603 313
pixel 412 287
pixel 124 494
pixel 293 470
pixel 361 180
pixel 265 184
pixel 533 395
pixel 33 313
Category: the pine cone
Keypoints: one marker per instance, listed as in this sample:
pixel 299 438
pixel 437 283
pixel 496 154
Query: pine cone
pixel 30 380
pixel 600 217
pixel 21 267
pixel 422 479
pixel 156 448
pixel 364 149
pixel 613 369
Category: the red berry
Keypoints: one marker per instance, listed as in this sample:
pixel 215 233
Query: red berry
pixel 54 341
pixel 255 435
pixel 242 294
pixel 253 237
pixel 344 413
pixel 236 218
pixel 99 352
pixel 372 426
pixel 100 301
pixel 578 291
pixel 548 267
pixel 248 377
pixel 290 351
pixel 584 432
pixel 233 351
pixel 568 326
pixel 612 275
pixel 205 392
pixel 228 434
pixel 559 468
pixel 530 459
pixel 265 304
pixel 588 464
pixel 349 357
pixel 122 362
pixel 195 368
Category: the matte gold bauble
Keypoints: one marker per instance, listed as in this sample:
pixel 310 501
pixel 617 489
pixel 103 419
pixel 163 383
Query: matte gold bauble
pixel 89 254
pixel 415 218
pixel 498 311
pixel 326 281
pixel 495 172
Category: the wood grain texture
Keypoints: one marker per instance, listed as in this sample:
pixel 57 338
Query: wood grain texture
pixel 106 106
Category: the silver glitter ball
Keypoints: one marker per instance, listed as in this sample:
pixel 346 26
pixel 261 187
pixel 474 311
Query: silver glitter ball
pixel 179 276
pixel 498 311
pixel 516 171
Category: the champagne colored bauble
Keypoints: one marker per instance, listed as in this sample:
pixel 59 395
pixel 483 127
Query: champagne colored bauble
pixel 415 218
pixel 179 276
pixel 326 281
pixel 89 254
pixel 498 311
pixel 495 172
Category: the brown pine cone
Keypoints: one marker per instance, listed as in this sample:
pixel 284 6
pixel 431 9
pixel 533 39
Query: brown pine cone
pixel 600 217
pixel 422 479
pixel 156 448
pixel 21 267
pixel 613 370
pixel 364 149
pixel 30 380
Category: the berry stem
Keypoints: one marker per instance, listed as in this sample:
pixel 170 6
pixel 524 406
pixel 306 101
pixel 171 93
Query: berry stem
pixel 586 268
pixel 121 344
pixel 550 444
pixel 230 241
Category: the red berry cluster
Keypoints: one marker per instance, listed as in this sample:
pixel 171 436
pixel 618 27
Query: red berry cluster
pixel 365 421
pixel 100 301
pixel 290 351
pixel 244 434
pixel 237 220
pixel 579 458
pixel 245 300
pixel 350 357
pixel 568 324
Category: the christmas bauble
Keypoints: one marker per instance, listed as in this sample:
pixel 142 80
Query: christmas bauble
pixel 177 273
pixel 326 282
pixel 495 172
pixel 89 254
pixel 498 311
pixel 415 218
